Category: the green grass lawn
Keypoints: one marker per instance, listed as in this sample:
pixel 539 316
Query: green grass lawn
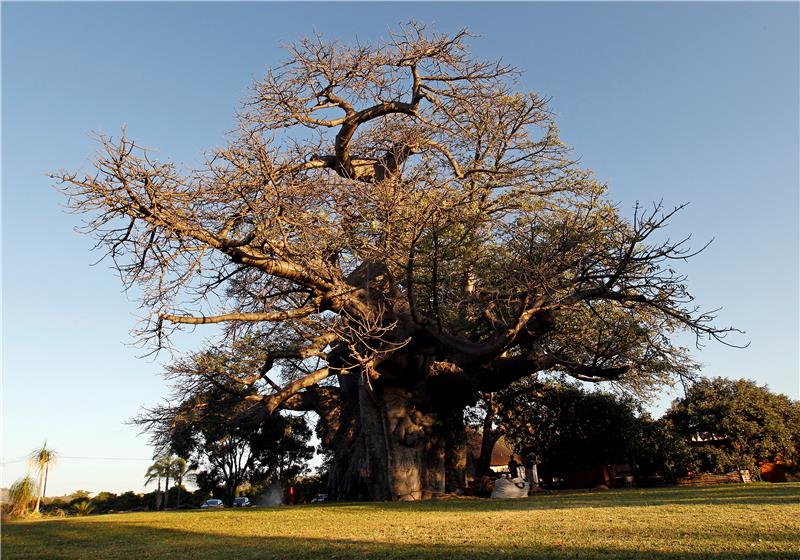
pixel 720 522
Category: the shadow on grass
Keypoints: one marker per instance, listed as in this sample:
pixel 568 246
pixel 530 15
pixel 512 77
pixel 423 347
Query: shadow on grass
pixel 67 540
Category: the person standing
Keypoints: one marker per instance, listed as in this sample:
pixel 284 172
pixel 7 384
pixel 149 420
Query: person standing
pixel 513 467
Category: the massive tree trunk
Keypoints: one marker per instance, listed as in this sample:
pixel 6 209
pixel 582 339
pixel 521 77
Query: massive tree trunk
pixel 396 440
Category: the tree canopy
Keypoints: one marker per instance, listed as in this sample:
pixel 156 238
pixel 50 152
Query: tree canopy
pixel 210 422
pixel 737 424
pixel 566 425
pixel 397 229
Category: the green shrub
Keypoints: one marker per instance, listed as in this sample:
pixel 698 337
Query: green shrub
pixel 83 508
pixel 21 496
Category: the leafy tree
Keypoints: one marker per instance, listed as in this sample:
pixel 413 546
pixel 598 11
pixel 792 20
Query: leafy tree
pixel 566 425
pixel 276 453
pixel 128 501
pixel 736 424
pixel 104 501
pixel 80 495
pixel 398 230
pixel 104 496
pixel 41 460
pixel 214 426
pixel 662 451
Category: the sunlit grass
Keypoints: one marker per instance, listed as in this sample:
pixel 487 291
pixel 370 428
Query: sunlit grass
pixel 733 521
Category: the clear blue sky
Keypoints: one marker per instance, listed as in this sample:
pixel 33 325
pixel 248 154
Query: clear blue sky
pixel 689 103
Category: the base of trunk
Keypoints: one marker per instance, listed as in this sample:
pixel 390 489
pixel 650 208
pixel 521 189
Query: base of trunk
pixel 392 445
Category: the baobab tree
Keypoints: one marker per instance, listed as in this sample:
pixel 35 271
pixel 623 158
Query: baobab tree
pixel 398 230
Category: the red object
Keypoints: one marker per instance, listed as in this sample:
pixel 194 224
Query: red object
pixel 291 495
pixel 774 471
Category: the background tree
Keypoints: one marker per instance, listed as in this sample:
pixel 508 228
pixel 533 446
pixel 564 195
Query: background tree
pixel 483 419
pixel 181 472
pixel 736 424
pixel 41 460
pixel 167 467
pixel 400 230
pixel 278 452
pixel 169 464
pixel 565 425
pixel 663 452
pixel 155 472
pixel 214 426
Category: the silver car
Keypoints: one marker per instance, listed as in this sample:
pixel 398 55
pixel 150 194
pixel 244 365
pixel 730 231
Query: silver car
pixel 212 504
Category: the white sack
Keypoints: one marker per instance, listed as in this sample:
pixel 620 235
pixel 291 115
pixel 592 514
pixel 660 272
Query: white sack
pixel 510 488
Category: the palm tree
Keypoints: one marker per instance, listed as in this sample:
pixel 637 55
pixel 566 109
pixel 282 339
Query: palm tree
pixel 167 463
pixel 181 470
pixel 40 460
pixel 155 472
pixel 167 467
pixel 82 508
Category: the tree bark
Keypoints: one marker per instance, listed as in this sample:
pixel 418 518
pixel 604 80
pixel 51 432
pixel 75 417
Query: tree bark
pixel 39 493
pixel 46 470
pixel 230 492
pixel 393 443
pixel 456 450
pixel 359 470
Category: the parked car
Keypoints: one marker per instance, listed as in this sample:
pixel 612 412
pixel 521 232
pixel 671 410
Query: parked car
pixel 319 498
pixel 242 502
pixel 213 504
